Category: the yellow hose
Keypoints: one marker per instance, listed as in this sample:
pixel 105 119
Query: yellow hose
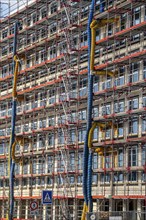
pixel 14 92
pixel 20 140
pixel 99 150
pixel 105 125
pixel 93 36
pixel 20 98
pixel 85 210
pixel 102 126
pixel 102 22
pixel 116 132
pixel 104 72
pixel 16 160
pixel 13 153
pixel 94 25
pixel 116 159
pixel 90 136
pixel 9 158
pixel 107 21
pixel 100 153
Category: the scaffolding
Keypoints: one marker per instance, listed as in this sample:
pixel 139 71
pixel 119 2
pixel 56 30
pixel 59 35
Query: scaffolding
pixel 52 108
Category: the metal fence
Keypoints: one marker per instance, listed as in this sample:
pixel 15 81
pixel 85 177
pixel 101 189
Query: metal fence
pixel 131 215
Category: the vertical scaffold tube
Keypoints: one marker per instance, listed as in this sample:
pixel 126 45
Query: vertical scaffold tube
pixel 89 113
pixel 102 5
pixel 11 164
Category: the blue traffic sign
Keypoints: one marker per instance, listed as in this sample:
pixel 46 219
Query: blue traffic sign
pixel 46 197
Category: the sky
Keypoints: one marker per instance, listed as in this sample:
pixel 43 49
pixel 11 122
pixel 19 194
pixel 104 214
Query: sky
pixel 14 4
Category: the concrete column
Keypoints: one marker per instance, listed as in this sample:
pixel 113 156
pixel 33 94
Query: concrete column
pixel 111 183
pixel 27 209
pixel 3 204
pixel 111 205
pixel 139 174
pixel 125 205
pixel 18 211
pixel 139 209
pixel 98 207
pixel 124 209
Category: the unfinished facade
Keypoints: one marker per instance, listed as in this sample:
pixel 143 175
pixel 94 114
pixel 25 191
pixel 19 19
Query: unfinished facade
pixel 52 110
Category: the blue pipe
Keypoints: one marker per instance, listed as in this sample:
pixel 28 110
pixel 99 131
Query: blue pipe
pixel 12 164
pixel 89 107
pixel 89 182
pixel 12 190
pixel 15 38
pixel 13 122
pixel 89 124
pixel 89 33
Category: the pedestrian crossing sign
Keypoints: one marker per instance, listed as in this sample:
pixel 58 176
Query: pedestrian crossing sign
pixel 46 197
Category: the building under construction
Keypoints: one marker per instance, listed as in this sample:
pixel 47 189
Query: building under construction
pixel 73 110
